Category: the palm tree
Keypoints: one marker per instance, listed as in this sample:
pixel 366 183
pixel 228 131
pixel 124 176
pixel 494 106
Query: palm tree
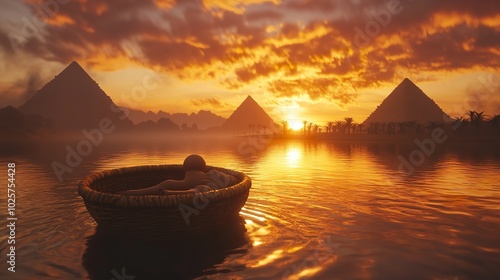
pixel 411 125
pixel 494 120
pixel 480 117
pixel 309 127
pixel 391 127
pixel 373 129
pixel 348 123
pixel 418 128
pixel 360 128
pixel 354 126
pixel 431 126
pixel 456 123
pixel 284 125
pixel 476 118
pixel 383 127
pixel 472 118
pixel 472 115
pixel 329 126
pixel 305 127
pixel 401 127
pixel 338 125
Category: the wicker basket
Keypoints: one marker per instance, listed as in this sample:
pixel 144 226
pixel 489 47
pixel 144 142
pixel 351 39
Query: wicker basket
pixel 169 216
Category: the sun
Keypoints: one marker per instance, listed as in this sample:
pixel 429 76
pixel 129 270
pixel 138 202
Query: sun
pixel 295 125
pixel 292 115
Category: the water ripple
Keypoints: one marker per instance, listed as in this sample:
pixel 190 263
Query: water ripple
pixel 316 210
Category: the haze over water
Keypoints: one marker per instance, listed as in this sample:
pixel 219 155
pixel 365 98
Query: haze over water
pixel 316 209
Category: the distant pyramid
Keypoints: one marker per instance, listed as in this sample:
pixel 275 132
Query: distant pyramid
pixel 407 102
pixel 73 100
pixel 249 117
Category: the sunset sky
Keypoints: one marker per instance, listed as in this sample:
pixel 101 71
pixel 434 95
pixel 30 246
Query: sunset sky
pixel 314 60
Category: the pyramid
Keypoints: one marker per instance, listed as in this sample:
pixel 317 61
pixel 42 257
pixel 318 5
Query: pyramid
pixel 407 102
pixel 73 100
pixel 249 116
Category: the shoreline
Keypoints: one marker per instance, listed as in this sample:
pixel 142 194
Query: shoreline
pixel 451 137
pixel 386 138
pixel 210 136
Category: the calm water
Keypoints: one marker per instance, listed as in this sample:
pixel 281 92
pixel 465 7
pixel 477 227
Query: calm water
pixel 318 210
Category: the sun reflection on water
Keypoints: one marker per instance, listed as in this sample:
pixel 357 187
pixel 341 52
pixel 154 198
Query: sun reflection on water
pixel 349 196
pixel 276 254
pixel 293 157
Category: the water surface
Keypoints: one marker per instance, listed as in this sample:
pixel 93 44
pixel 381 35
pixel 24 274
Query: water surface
pixel 317 209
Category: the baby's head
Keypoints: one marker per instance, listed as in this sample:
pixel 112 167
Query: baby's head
pixel 194 162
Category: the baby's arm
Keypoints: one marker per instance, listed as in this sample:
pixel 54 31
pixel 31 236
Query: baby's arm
pixel 157 189
pixel 199 188
pixel 151 190
pixel 172 185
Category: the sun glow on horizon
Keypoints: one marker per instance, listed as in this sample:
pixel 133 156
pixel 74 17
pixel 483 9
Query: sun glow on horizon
pixel 300 62
pixel 295 125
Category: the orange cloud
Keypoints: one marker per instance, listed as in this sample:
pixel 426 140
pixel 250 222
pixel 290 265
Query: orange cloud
pixel 326 87
pixel 293 33
pixel 286 48
pixel 100 8
pixel 59 20
pixel 235 6
pixel 165 4
pixel 210 102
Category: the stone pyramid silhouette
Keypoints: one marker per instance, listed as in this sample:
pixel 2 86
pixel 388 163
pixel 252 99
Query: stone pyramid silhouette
pixel 407 102
pixel 73 100
pixel 249 117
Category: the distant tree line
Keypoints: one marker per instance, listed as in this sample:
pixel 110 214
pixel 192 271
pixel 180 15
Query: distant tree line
pixel 473 123
pixel 254 129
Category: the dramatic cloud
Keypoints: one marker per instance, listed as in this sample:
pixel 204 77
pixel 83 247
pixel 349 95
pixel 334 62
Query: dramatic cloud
pixel 319 48
pixel 211 102
pixel 236 6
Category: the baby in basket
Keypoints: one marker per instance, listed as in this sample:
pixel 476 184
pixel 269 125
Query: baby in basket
pixel 195 180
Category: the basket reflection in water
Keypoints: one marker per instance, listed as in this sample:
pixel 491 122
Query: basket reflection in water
pixel 185 258
pixel 170 216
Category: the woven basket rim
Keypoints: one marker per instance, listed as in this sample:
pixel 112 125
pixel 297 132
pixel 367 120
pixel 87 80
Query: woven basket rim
pixel 158 201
